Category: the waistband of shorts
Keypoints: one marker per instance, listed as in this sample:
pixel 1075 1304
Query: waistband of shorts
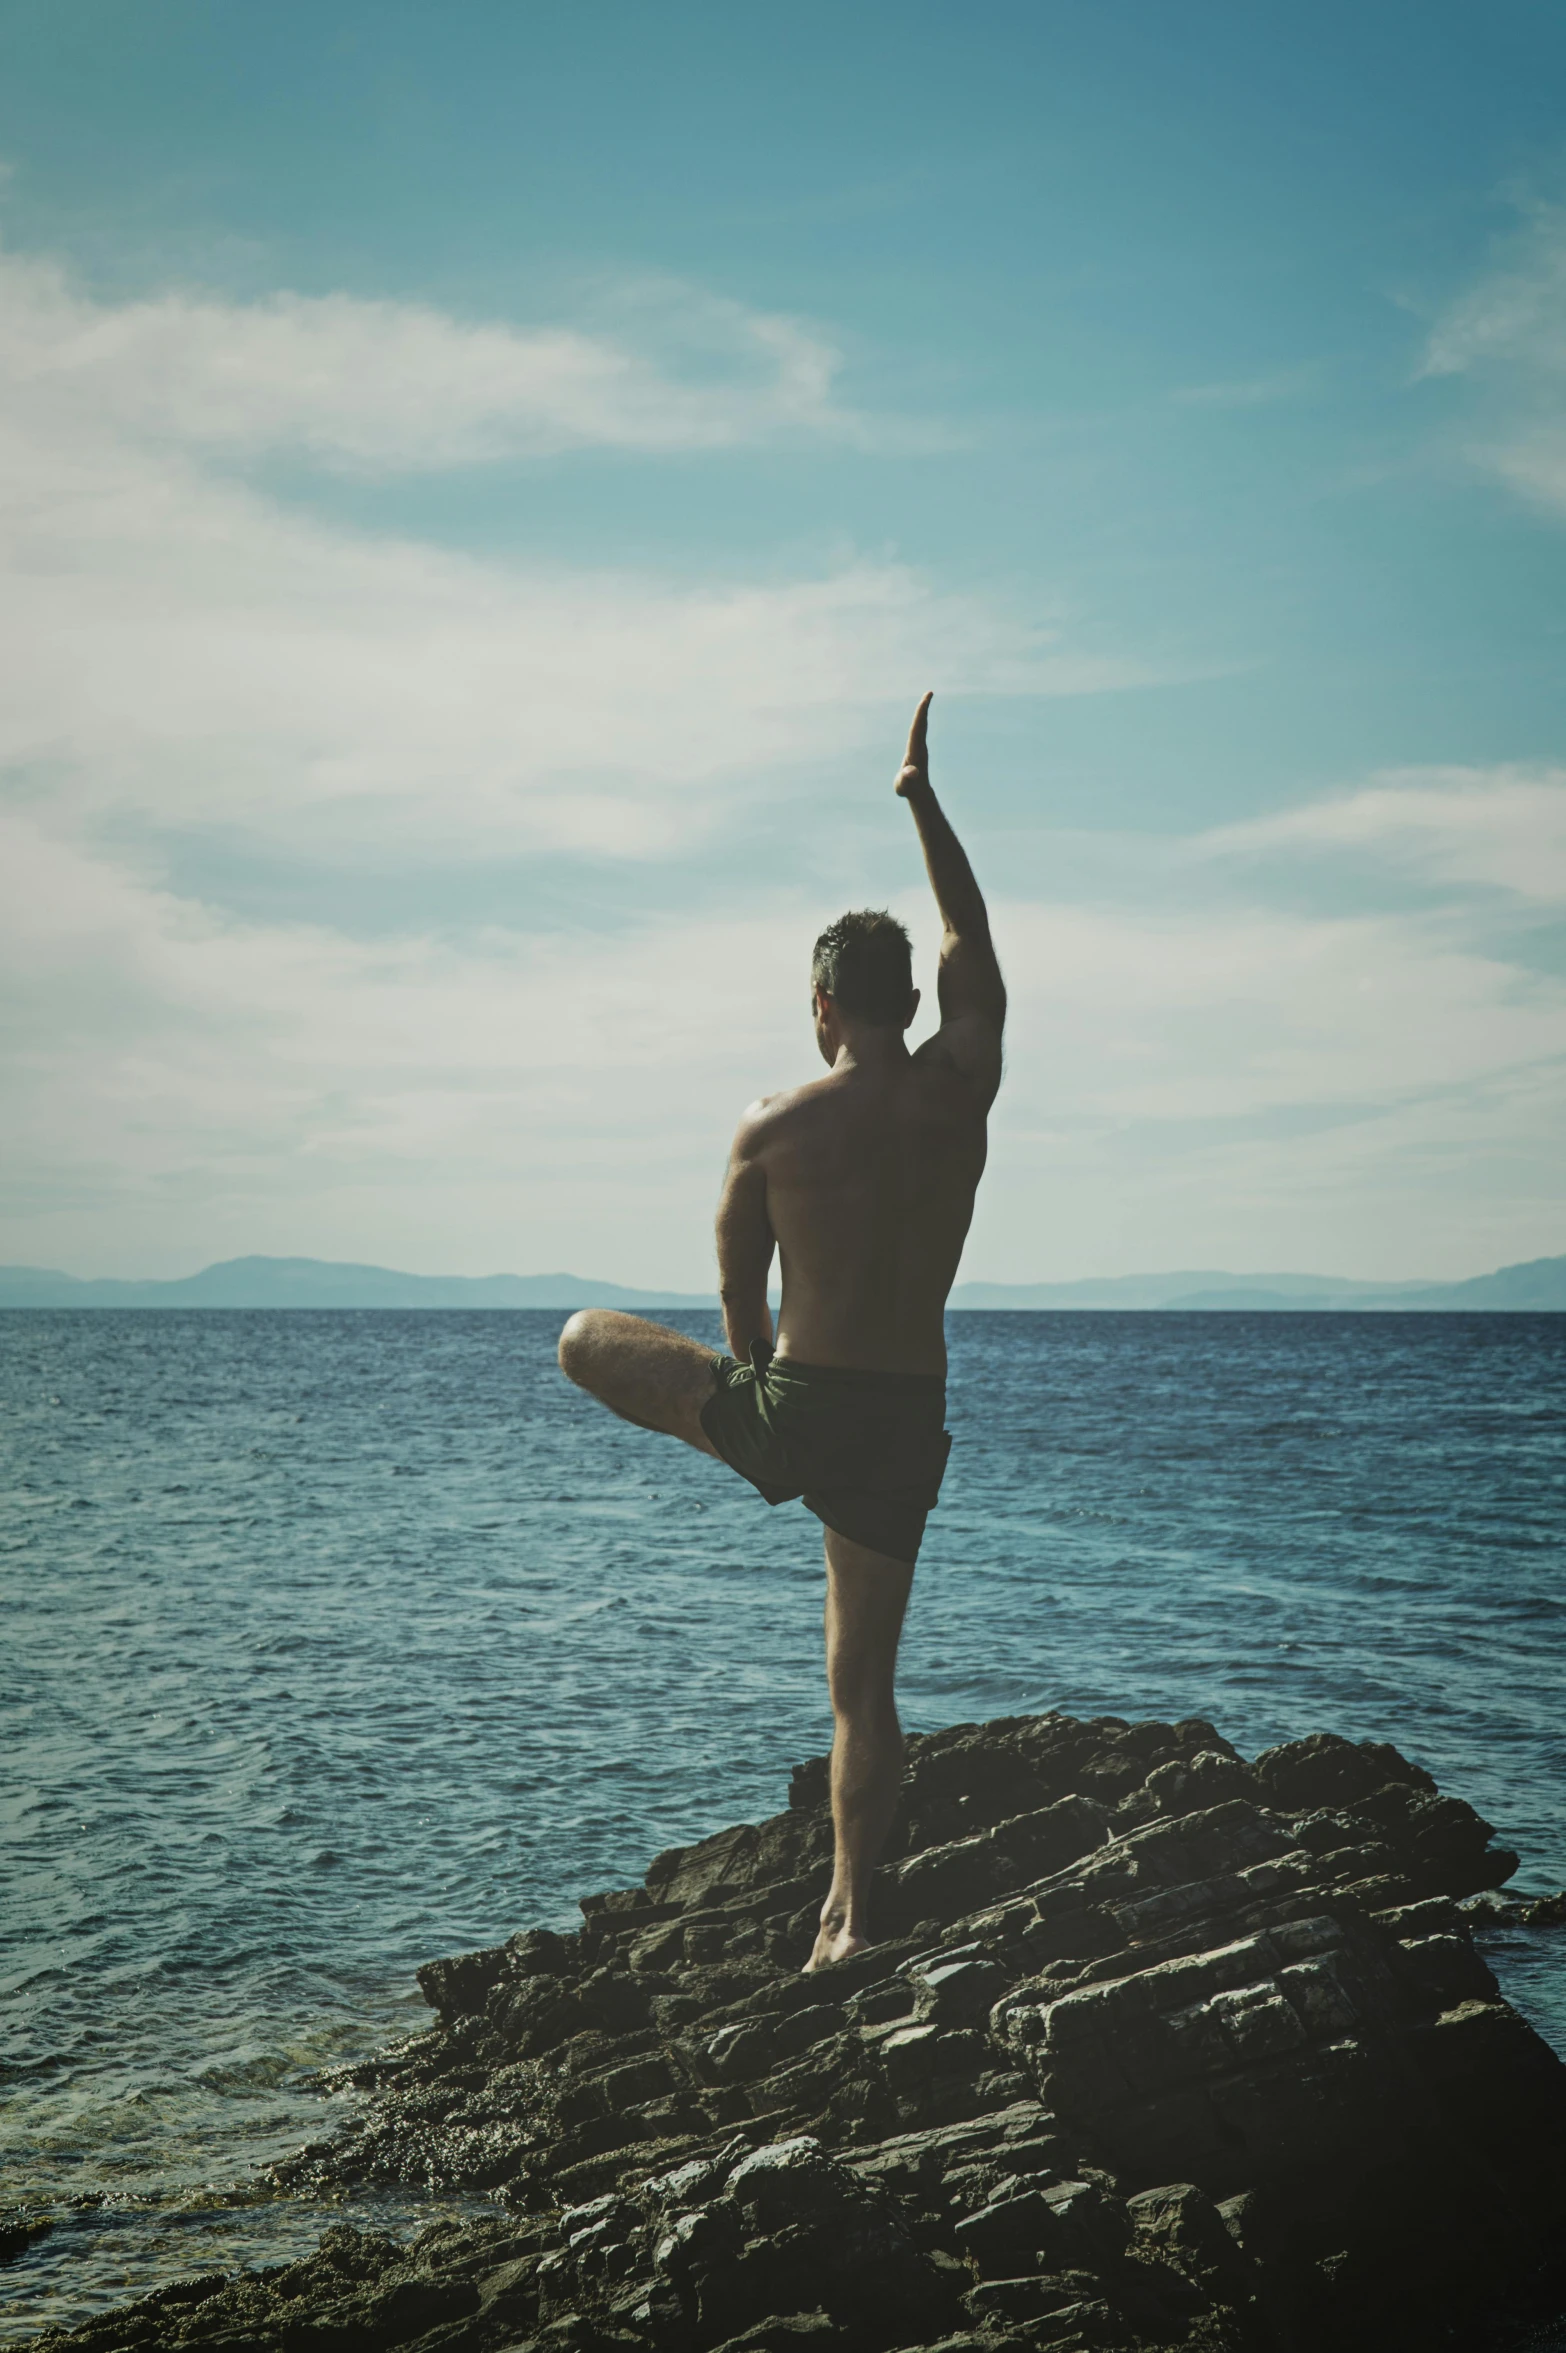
pixel 845 1376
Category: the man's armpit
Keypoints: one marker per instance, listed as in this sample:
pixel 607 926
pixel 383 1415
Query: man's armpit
pixel 972 1047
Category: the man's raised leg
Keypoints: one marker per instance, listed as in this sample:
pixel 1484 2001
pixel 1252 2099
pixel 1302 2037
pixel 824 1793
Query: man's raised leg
pixel 643 1372
pixel 867 1593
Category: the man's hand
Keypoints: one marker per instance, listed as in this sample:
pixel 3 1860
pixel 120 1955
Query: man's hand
pixel 916 760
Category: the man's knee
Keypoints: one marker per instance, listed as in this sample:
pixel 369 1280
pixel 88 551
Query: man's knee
pixel 580 1344
pixel 864 1689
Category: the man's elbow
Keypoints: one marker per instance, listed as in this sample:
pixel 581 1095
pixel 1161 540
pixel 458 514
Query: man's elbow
pixel 747 1317
pixel 966 942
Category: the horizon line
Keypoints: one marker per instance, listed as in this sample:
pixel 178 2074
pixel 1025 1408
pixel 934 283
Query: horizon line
pixel 1261 1283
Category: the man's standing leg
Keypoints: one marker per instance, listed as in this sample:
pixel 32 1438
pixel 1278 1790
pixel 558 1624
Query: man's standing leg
pixel 867 1593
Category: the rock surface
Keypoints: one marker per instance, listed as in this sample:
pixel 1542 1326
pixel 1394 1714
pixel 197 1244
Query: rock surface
pixel 1160 2049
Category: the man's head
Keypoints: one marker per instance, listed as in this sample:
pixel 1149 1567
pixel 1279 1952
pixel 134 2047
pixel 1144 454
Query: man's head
pixel 861 975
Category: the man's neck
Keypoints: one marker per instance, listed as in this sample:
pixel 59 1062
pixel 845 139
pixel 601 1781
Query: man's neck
pixel 871 1046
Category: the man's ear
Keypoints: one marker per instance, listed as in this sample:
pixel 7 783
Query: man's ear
pixel 913 1007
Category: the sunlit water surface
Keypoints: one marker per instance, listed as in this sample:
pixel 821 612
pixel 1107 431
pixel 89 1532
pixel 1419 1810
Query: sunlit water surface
pixel 336 1641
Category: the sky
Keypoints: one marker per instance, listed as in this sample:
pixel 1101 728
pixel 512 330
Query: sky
pixel 484 487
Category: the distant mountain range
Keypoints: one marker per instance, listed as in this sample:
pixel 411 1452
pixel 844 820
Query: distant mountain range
pixel 320 1282
pixel 1539 1285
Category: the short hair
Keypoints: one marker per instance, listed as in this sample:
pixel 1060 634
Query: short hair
pixel 865 961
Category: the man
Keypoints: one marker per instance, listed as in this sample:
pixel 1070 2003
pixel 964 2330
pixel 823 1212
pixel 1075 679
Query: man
pixel 863 1181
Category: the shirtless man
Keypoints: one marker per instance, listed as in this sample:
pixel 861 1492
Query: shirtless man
pixel 863 1181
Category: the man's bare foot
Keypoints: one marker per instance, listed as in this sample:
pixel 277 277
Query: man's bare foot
pixel 836 1941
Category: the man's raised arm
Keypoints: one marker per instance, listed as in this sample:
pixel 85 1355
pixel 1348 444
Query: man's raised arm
pixel 971 991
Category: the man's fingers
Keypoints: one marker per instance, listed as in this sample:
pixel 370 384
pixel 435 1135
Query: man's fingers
pixel 915 755
pixel 915 759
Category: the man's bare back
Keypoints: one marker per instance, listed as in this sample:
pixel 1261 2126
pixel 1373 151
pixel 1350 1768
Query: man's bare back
pixel 863 1183
pixel 870 1177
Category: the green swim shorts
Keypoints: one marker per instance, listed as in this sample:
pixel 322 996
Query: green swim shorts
pixel 865 1452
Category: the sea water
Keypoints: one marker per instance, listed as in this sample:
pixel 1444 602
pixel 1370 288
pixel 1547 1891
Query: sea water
pixel 336 1641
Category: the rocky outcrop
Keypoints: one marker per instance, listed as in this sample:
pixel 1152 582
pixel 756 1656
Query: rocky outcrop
pixel 1159 2049
pixel 21 2231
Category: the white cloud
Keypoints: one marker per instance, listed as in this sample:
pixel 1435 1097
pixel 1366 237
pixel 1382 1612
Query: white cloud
pixel 1210 1084
pixel 183 652
pixel 1248 392
pixel 180 649
pixel 394 387
pixel 1232 1013
pixel 172 1071
pixel 1234 1086
pixel 1516 314
pixel 1208 1072
pixel 1501 828
pixel 200 659
pixel 1508 334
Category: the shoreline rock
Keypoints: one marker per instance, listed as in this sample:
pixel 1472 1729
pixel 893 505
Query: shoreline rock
pixel 1160 2048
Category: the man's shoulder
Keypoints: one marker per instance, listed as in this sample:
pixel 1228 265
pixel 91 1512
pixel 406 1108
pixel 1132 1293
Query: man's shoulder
pixel 771 1115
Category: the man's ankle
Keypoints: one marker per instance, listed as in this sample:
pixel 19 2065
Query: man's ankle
pixel 838 1909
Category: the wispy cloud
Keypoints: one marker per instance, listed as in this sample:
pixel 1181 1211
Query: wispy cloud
pixel 1249 392
pixel 1216 1067
pixel 1233 1013
pixel 1501 828
pixel 184 649
pixel 172 1070
pixel 1226 1081
pixel 1516 313
pixel 374 387
pixel 1507 333
pixel 188 652
pixel 1216 1076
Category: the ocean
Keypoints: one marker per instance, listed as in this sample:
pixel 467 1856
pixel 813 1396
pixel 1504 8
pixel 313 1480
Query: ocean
pixel 336 1641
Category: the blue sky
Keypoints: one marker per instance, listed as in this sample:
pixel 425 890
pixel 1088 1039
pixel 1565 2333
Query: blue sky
pixel 486 485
